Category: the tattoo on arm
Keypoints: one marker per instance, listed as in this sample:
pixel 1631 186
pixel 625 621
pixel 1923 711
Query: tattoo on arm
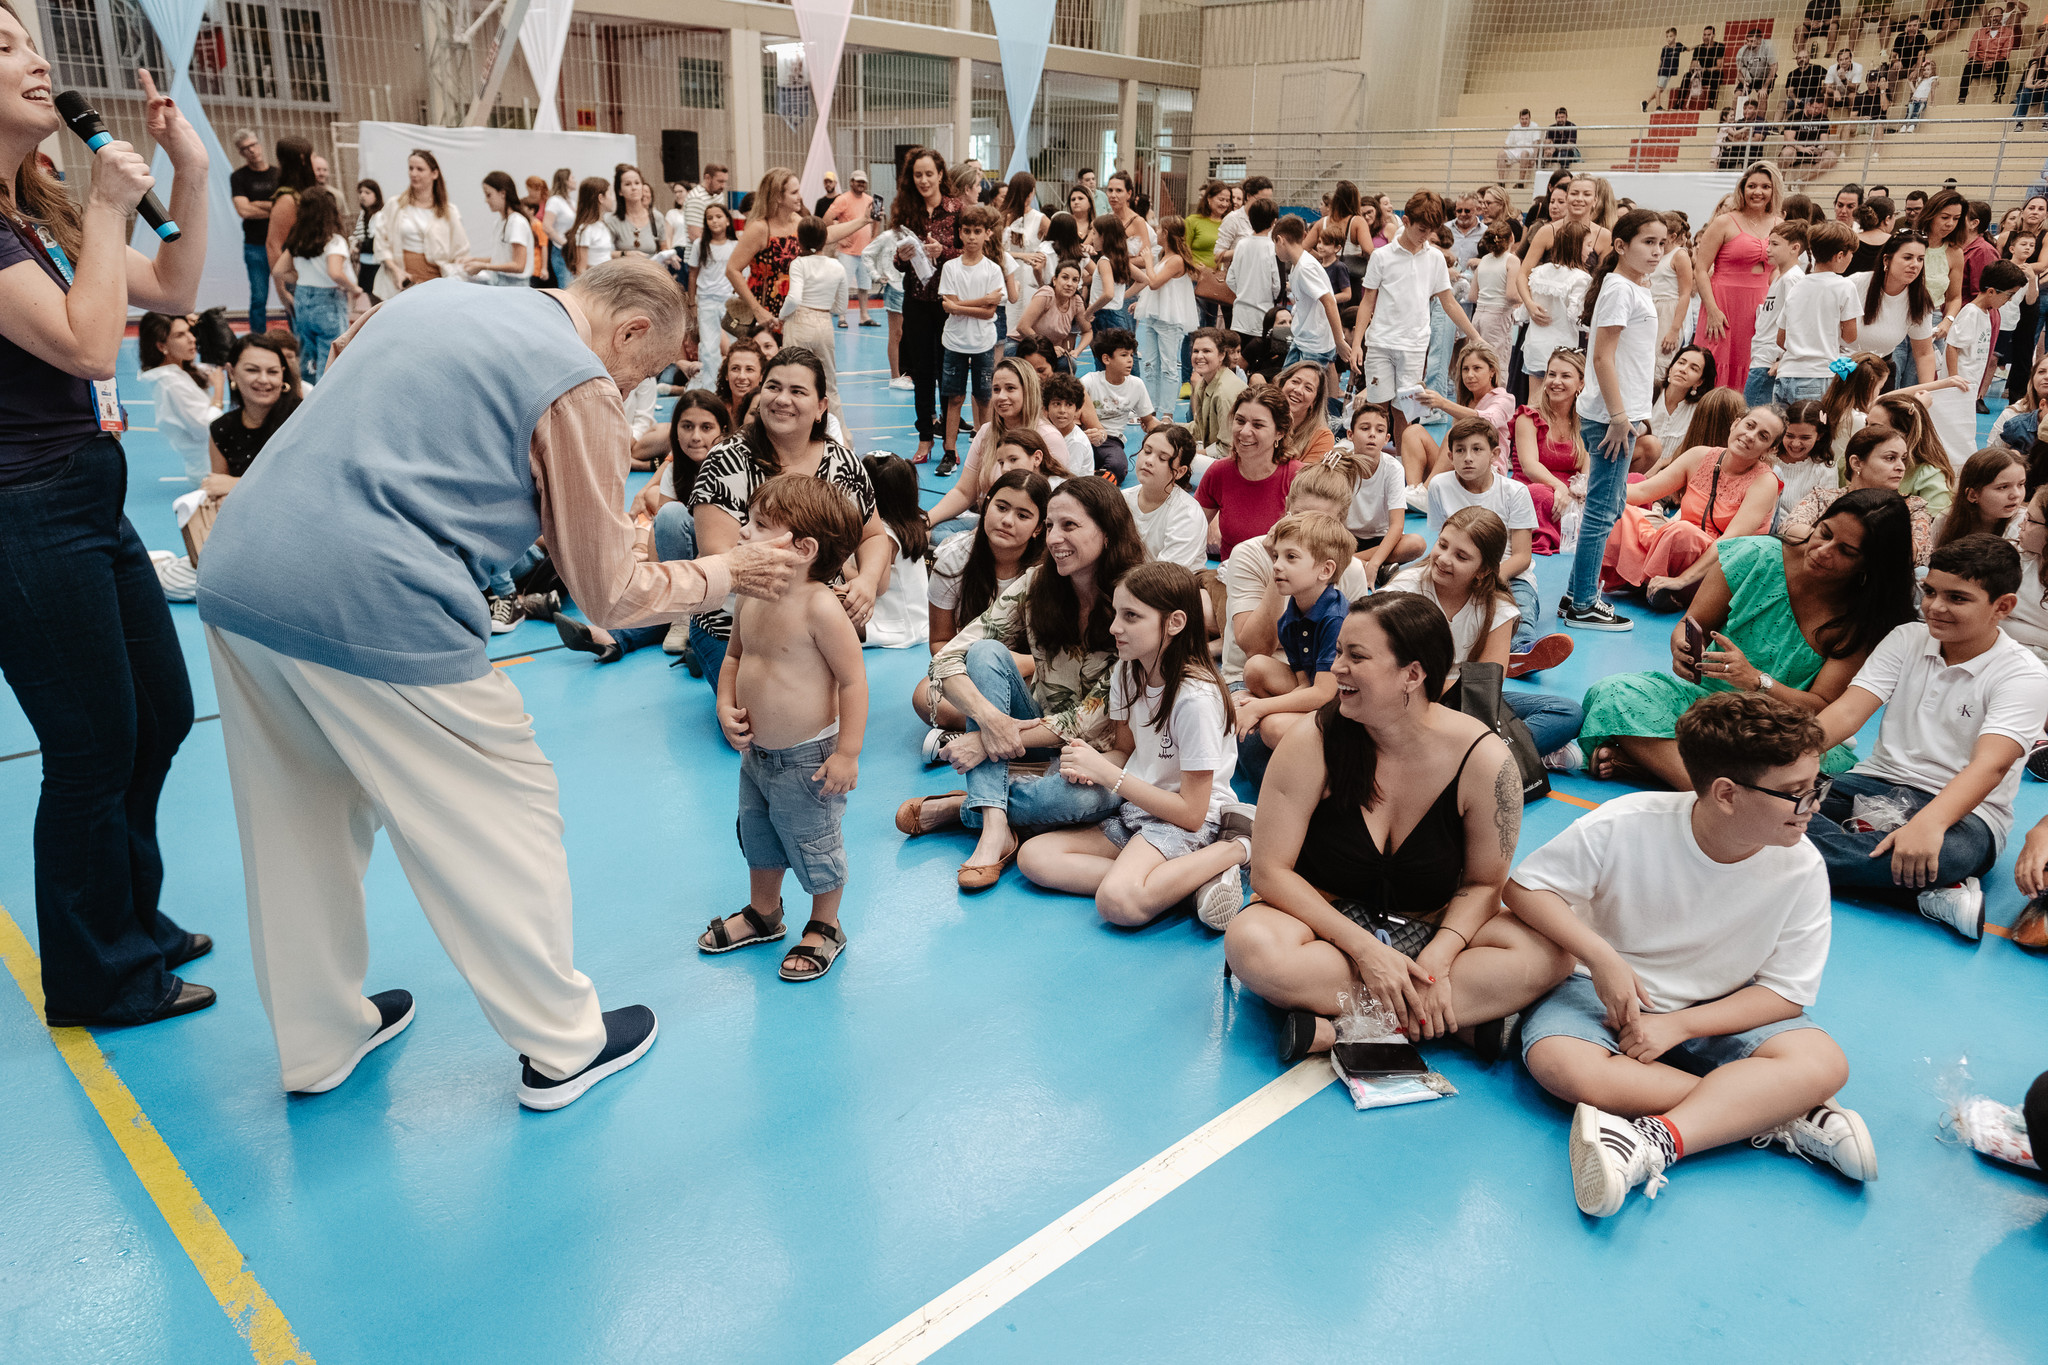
pixel 1507 806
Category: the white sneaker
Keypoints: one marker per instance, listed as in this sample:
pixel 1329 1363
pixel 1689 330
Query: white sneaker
pixel 1220 898
pixel 1418 498
pixel 1960 907
pixel 678 638
pixel 1569 759
pixel 1827 1132
pixel 936 739
pixel 902 381
pixel 1609 1158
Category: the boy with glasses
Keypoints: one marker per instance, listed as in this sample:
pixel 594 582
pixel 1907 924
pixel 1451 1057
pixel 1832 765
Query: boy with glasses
pixel 1963 702
pixel 1701 922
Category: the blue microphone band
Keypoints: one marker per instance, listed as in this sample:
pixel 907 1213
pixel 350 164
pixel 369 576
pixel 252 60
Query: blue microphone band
pixel 169 232
pixel 99 140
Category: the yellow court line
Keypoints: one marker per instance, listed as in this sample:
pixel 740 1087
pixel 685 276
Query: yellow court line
pixel 214 1253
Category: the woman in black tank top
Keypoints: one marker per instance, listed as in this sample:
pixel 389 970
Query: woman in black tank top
pixel 1384 838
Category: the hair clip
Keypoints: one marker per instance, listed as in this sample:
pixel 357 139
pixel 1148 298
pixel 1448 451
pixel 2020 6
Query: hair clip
pixel 1842 366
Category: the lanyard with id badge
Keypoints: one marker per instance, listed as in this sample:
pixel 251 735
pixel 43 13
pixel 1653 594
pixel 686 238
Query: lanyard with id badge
pixel 106 395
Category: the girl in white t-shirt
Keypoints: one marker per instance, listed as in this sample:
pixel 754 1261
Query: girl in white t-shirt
pixel 1170 521
pixel 510 262
pixel 1179 832
pixel 1805 458
pixel 709 288
pixel 590 241
pixel 901 617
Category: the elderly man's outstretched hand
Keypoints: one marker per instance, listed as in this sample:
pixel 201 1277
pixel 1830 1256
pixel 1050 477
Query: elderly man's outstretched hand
pixel 761 568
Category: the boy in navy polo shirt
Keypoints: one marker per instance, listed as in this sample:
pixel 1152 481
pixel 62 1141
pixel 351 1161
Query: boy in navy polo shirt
pixel 1309 549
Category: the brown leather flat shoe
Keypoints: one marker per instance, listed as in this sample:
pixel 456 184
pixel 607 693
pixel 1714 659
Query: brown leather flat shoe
pixel 910 815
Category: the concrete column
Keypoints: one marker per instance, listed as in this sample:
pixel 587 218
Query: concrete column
pixel 1126 128
pixel 963 109
pixel 743 111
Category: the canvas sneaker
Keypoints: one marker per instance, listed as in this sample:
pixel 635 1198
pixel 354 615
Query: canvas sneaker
pixel 936 739
pixel 1827 1133
pixel 1609 1158
pixel 903 381
pixel 1221 897
pixel 1960 907
pixel 505 615
pixel 1598 616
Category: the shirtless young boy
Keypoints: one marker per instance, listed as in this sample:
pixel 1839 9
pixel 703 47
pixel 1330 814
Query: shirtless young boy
pixel 793 699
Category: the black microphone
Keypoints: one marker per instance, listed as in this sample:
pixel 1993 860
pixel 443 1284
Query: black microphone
pixel 85 121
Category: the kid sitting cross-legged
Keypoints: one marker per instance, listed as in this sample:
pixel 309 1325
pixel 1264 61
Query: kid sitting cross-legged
pixel 1472 481
pixel 1178 832
pixel 1309 550
pixel 1700 921
pixel 793 699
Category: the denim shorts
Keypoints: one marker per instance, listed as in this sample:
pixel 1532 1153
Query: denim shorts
pixel 1131 822
pixel 1574 1010
pixel 892 298
pixel 961 372
pixel 786 820
pixel 1295 354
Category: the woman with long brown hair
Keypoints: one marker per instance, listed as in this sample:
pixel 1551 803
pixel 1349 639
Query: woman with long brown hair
pixel 931 219
pixel 86 640
pixel 759 267
pixel 294 177
pixel 419 237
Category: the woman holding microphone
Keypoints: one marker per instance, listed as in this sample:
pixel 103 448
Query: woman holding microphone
pixel 86 641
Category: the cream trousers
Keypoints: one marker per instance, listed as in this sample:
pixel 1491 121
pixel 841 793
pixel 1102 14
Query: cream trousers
pixel 318 761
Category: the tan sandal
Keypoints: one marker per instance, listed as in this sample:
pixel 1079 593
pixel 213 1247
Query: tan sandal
pixel 981 876
pixel 910 815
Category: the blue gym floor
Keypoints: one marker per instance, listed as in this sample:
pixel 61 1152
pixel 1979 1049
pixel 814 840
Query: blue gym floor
pixel 794 1169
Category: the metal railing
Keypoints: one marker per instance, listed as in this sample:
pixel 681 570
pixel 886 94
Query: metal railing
pixel 1986 156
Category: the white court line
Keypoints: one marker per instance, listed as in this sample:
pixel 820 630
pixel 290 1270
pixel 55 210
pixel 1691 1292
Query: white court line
pixel 952 1313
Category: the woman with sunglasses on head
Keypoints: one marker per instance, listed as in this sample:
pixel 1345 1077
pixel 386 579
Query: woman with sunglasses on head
pixel 1793 618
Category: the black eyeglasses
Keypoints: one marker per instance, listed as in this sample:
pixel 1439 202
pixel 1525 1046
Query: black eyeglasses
pixel 1803 803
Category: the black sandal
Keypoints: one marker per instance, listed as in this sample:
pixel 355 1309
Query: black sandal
pixel 820 958
pixel 715 939
pixel 1297 1036
pixel 577 636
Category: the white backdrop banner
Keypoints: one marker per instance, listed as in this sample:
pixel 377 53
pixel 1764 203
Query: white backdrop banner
pixel 467 155
pixel 1693 193
pixel 822 23
pixel 1023 28
pixel 224 282
pixel 542 37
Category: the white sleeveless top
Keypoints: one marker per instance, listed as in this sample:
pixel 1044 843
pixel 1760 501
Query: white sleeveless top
pixel 1493 281
pixel 1664 280
pixel 1172 303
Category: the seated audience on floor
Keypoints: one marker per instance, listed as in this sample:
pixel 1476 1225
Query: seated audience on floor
pixel 968 573
pixel 1059 613
pixel 1724 491
pixel 1689 378
pixel 1462 576
pixel 1310 549
pixel 1120 398
pixel 1700 922
pixel 1014 406
pixel 1377 515
pixel 265 394
pixel 1071 414
pixel 902 614
pixel 1306 389
pixel 1246 492
pixel 1804 462
pixel 1991 492
pixel 1963 704
pixel 1176 831
pixel 1170 521
pixel 1877 458
pixel 1472 482
pixel 793 699
pixel 1385 832
pixel 188 393
pixel 1481 391
pixel 1794 616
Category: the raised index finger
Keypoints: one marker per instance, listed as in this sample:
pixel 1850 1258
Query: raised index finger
pixel 148 83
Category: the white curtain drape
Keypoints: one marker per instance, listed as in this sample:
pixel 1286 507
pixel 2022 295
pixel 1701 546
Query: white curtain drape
pixel 224 281
pixel 822 25
pixel 1023 29
pixel 543 37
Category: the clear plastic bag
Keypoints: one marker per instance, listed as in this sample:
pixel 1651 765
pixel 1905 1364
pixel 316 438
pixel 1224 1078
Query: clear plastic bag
pixel 1363 1019
pixel 1568 518
pixel 1882 814
pixel 1984 1125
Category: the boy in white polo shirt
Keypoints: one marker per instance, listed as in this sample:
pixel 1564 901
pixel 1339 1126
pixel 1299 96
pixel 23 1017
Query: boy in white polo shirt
pixel 1818 324
pixel 1318 332
pixel 1701 922
pixel 1393 305
pixel 1962 702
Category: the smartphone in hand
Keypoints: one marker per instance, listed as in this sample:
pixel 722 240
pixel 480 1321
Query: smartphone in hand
pixel 1695 641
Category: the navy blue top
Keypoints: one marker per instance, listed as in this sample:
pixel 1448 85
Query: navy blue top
pixel 45 414
pixel 1310 641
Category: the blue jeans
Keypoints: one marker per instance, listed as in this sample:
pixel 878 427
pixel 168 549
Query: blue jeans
pixel 256 259
pixel 1553 721
pixel 1792 390
pixel 87 644
pixel 559 264
pixel 1436 369
pixel 675 537
pixel 1758 388
pixel 1606 491
pixel 318 322
pixel 1159 351
pixel 2037 98
pixel 1107 318
pixel 1967 850
pixel 502 582
pixel 1526 629
pixel 1030 800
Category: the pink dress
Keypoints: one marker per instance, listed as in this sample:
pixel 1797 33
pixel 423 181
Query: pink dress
pixel 1560 458
pixel 1640 549
pixel 1739 293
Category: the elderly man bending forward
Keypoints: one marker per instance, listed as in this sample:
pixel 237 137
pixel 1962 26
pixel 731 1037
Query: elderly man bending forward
pixel 342 591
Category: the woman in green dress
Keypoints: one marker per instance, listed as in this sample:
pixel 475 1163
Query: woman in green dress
pixel 1793 619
